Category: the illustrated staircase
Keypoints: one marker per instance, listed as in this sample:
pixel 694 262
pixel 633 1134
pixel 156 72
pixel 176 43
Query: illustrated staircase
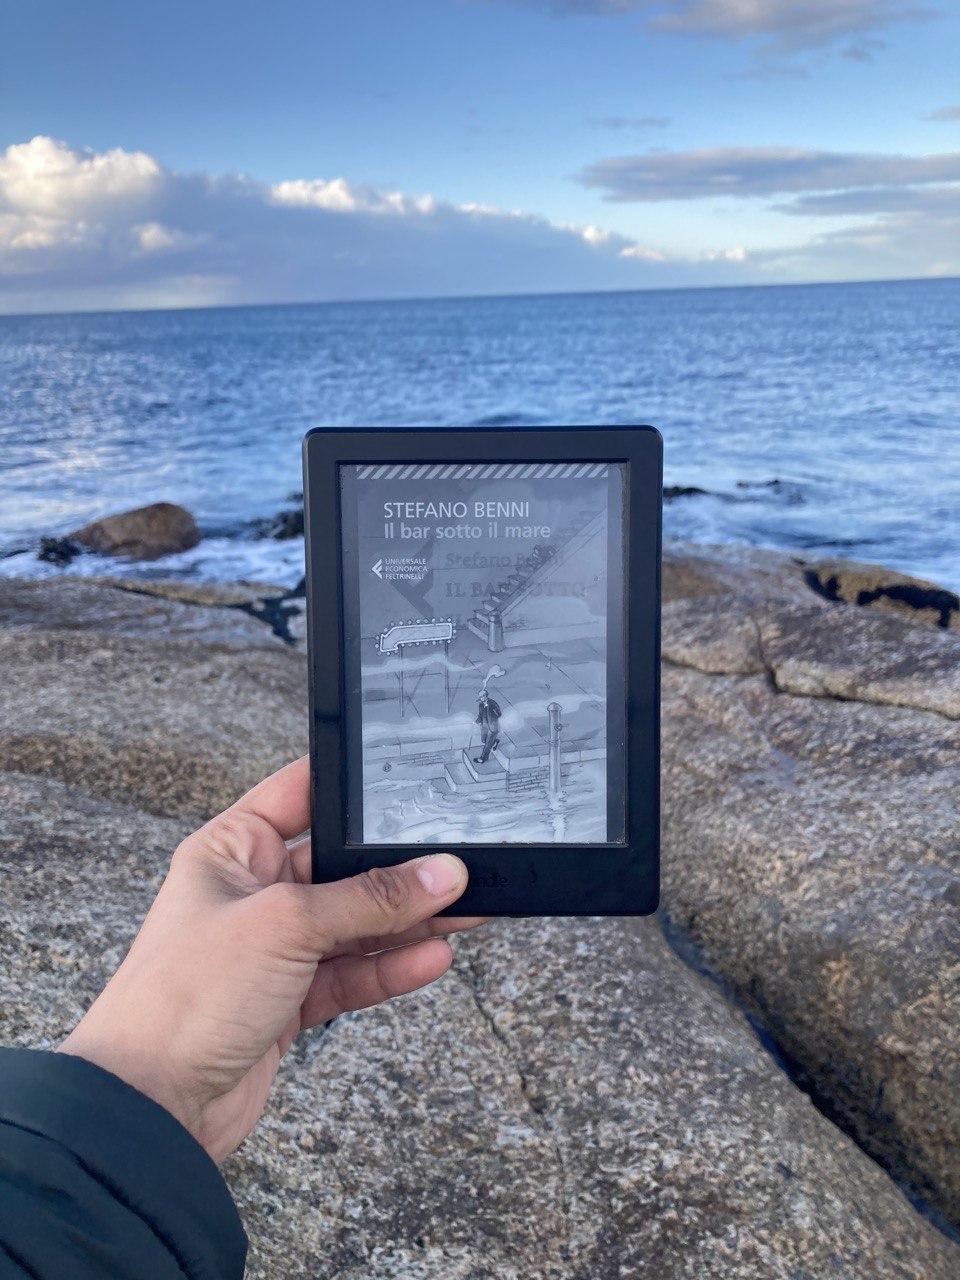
pixel 466 775
pixel 515 584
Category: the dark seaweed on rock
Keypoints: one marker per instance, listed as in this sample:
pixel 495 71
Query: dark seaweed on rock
pixel 864 586
pixel 673 491
pixel 283 525
pixel 59 551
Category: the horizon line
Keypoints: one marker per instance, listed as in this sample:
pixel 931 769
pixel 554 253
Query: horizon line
pixel 476 297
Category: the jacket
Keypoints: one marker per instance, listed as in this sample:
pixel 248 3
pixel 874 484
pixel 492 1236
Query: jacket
pixel 489 714
pixel 98 1182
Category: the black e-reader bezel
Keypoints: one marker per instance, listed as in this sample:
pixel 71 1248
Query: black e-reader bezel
pixel 510 879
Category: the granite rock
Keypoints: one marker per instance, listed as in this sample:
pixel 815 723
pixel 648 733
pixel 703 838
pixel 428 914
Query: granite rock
pixel 229 616
pixel 571 1101
pixel 175 726
pixel 692 570
pixel 817 650
pixel 812 846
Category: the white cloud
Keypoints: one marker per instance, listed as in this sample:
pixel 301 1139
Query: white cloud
pixel 19 231
pixel 640 251
pixel 315 194
pixel 736 254
pixel 48 178
pixel 82 229
pixel 594 235
pixel 898 215
pixel 339 195
pixel 950 113
pixel 923 241
pixel 787 25
pixel 154 237
pixel 131 233
pixel 488 210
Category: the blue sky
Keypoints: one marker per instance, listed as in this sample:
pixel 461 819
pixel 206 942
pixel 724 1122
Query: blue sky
pixel 189 154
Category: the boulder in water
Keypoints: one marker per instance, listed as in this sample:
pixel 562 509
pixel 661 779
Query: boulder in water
pixel 145 533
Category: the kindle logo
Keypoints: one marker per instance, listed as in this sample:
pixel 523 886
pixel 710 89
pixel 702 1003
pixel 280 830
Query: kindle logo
pixel 488 880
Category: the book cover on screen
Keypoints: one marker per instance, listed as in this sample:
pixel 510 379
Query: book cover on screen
pixel 483 638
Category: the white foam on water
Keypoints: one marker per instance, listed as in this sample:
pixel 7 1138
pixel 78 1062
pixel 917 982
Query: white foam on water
pixel 266 560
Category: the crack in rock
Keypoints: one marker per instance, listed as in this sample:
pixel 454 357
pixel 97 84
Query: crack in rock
pixel 274 612
pixel 469 974
pixel 765 662
pixel 771 673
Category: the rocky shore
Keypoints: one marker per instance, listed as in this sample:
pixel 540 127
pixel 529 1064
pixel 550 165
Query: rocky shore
pixel 762 1084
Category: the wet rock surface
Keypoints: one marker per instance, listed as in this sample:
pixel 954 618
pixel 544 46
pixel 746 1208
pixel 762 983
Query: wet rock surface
pixel 144 533
pixel 572 1100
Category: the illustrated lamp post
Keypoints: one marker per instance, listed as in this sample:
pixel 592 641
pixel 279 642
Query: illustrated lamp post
pixel 553 711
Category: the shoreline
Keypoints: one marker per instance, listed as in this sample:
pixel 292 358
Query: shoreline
pixel 267 550
pixel 836 580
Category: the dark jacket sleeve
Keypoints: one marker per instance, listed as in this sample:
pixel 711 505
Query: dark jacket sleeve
pixel 97 1180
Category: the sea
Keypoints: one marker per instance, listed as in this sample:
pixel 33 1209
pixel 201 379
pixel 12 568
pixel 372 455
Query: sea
pixel 820 419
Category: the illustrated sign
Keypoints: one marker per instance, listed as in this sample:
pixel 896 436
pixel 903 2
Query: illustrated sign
pixel 415 633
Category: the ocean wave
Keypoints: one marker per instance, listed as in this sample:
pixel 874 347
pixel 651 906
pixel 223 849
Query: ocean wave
pixel 217 559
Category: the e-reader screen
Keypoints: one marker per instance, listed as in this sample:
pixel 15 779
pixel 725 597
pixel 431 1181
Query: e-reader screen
pixel 483 652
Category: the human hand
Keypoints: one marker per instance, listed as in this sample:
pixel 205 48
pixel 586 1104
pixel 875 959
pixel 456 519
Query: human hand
pixel 239 953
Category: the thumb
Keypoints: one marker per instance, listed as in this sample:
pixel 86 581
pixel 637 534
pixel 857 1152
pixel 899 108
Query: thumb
pixel 383 900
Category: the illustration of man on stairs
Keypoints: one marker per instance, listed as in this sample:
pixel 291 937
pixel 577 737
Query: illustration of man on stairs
pixel 488 718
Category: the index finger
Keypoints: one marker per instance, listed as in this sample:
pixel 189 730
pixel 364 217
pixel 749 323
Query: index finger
pixel 283 799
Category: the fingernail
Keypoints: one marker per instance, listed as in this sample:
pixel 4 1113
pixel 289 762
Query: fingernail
pixel 440 874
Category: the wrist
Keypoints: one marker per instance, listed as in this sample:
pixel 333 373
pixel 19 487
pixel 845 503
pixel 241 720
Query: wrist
pixel 142 1067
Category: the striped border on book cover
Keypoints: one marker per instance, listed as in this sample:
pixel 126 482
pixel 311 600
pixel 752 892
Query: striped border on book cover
pixel 482 471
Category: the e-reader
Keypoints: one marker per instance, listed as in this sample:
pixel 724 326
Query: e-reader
pixel 483 633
